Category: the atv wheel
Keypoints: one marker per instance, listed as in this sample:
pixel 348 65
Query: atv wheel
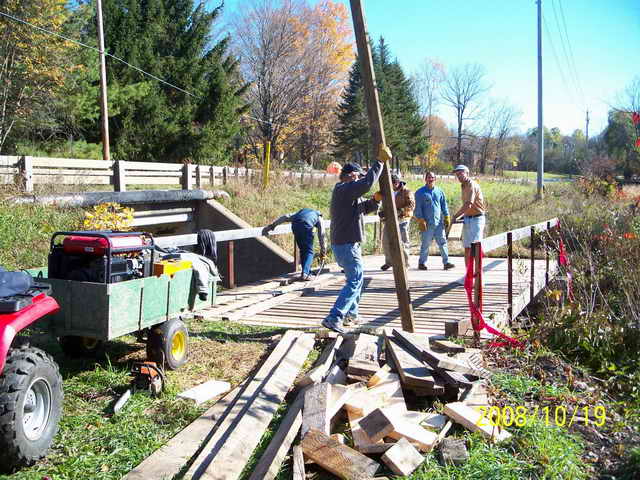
pixel 76 347
pixel 168 343
pixel 30 406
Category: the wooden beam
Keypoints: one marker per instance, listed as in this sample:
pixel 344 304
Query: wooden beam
pixel 315 414
pixel 323 364
pixel 341 460
pixel 377 135
pixel 240 433
pixel 472 419
pixel 168 460
pixel 403 458
pixel 412 371
pixel 298 463
pixel 366 354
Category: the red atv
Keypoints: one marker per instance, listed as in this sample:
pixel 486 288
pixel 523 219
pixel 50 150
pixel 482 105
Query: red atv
pixel 30 383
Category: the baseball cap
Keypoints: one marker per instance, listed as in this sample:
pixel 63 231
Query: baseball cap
pixel 351 168
pixel 463 168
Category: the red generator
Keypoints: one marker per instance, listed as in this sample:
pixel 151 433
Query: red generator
pixel 100 257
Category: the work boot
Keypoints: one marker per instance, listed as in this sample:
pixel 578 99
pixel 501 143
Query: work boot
pixel 449 266
pixel 386 266
pixel 304 277
pixel 422 266
pixel 350 320
pixel 333 323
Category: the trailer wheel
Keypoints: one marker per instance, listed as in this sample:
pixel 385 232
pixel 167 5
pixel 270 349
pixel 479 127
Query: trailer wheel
pixel 168 343
pixel 76 347
pixel 30 406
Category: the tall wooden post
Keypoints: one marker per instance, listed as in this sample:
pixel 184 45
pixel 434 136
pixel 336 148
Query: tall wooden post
pixel 106 155
pixel 377 135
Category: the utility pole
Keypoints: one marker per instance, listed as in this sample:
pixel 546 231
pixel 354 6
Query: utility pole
pixel 106 155
pixel 587 130
pixel 540 193
pixel 377 136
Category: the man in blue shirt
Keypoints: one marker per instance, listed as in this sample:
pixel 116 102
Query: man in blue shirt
pixel 433 218
pixel 347 209
pixel 302 224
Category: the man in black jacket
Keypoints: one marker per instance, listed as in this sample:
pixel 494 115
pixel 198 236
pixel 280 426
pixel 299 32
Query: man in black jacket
pixel 347 209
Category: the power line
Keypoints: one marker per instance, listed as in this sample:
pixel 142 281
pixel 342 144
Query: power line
pixel 55 34
pixel 573 61
pixel 555 55
pixel 565 49
pixel 97 50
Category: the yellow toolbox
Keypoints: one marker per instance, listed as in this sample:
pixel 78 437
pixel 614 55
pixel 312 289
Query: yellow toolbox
pixel 169 267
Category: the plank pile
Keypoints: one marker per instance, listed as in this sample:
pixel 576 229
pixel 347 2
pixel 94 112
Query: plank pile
pixel 374 390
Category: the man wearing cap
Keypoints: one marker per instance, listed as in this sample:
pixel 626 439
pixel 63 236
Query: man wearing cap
pixel 472 210
pixel 404 206
pixel 302 224
pixel 433 218
pixel 347 209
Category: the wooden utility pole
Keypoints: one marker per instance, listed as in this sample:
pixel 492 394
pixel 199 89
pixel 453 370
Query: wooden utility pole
pixel 106 155
pixel 377 135
pixel 540 193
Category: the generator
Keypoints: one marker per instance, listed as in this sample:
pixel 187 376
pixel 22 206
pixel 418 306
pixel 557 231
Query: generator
pixel 100 257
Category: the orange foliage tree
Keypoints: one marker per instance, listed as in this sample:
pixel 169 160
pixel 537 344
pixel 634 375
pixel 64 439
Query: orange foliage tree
pixel 296 58
pixel 32 63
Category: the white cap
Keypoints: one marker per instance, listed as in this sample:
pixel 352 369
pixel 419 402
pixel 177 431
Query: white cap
pixel 463 168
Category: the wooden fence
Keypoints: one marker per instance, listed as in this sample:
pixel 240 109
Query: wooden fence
pixel 27 171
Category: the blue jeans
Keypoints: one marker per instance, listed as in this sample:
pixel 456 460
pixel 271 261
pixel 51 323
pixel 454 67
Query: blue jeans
pixel 428 235
pixel 304 240
pixel 349 257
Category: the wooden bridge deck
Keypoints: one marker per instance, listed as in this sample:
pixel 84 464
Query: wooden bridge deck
pixel 437 296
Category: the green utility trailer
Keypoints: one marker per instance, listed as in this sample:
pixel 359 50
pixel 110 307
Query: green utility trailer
pixel 92 313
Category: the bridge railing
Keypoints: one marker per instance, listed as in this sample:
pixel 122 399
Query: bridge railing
pixel 230 236
pixel 507 239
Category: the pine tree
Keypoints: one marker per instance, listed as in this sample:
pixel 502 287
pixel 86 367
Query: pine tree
pixel 172 40
pixel 403 124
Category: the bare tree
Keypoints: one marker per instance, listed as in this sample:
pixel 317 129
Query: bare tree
pixel 426 83
pixel 462 91
pixel 508 118
pixel 296 58
pixel 265 37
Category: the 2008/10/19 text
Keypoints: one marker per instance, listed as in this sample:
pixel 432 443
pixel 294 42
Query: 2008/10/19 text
pixel 558 415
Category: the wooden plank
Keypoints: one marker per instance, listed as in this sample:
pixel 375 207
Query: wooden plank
pixel 70 163
pixel 341 460
pixel 403 458
pixel 447 346
pixel 412 371
pixel 173 167
pixel 245 402
pixel 277 450
pixel 168 460
pixel 315 414
pixel 380 376
pixel 364 360
pixel 72 180
pixel 163 219
pixel 376 425
pixel 298 463
pixel 323 363
pixel 439 363
pixel 205 391
pixel 132 180
pixel 472 419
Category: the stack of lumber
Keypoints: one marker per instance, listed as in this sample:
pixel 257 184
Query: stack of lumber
pixel 373 390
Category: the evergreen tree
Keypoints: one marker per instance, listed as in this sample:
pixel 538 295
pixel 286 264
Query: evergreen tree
pixel 172 40
pixel 403 124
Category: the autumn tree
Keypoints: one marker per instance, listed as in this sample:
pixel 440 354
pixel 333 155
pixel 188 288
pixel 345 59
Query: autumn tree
pixel 32 63
pixel 462 91
pixel 296 58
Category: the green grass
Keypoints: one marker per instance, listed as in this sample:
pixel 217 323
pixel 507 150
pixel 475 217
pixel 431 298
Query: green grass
pixel 95 444
pixel 534 175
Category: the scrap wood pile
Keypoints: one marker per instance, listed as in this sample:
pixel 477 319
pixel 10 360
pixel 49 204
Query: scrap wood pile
pixel 360 407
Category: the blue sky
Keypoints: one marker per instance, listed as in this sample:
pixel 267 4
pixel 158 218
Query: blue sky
pixel 604 38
